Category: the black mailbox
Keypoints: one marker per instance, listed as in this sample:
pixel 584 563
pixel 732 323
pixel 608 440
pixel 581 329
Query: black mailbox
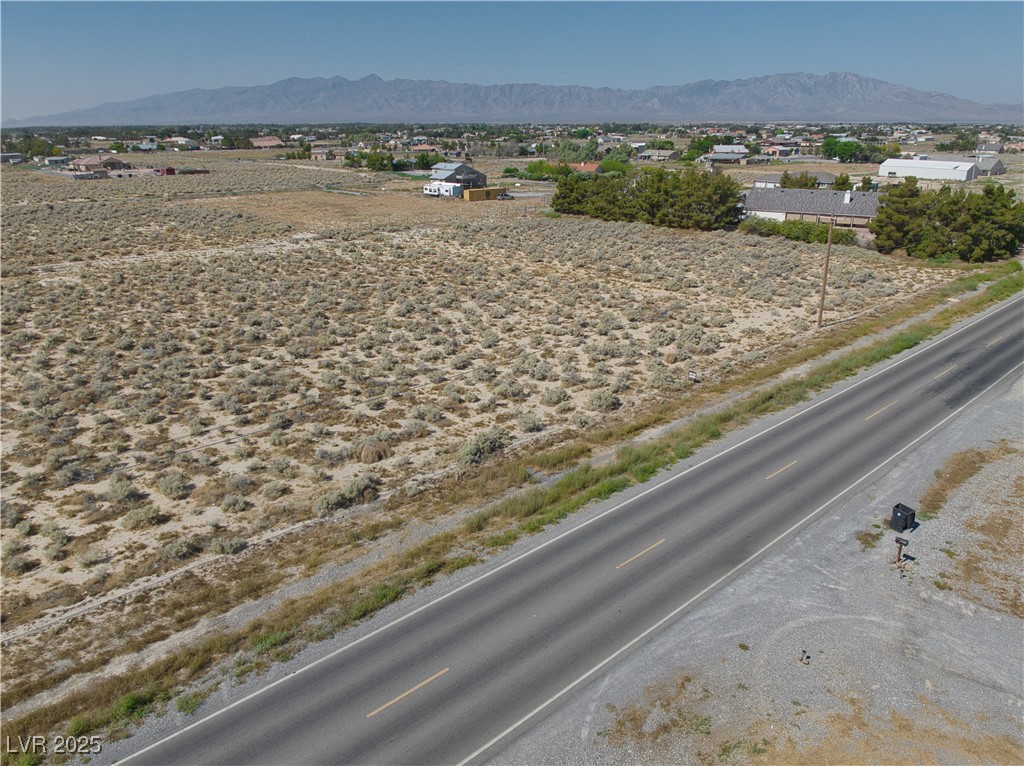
pixel 903 518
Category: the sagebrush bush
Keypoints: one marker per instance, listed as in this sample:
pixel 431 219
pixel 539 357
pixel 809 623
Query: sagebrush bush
pixel 276 489
pixel 604 401
pixel 179 550
pixel 234 504
pixel 173 485
pixel 361 489
pixel 140 518
pixel 122 490
pixel 228 545
pixel 331 457
pixel 529 422
pixel 483 444
pixel 18 564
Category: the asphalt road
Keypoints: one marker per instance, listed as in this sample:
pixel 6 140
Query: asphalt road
pixel 446 682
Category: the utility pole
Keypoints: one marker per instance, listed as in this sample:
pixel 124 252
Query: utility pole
pixel 824 276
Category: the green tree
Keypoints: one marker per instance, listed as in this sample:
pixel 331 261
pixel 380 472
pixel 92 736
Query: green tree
pixel 609 165
pixel 699 146
pixel 843 182
pixel 568 151
pixel 29 145
pixel 620 153
pixel 661 143
pixel 846 150
pixel 572 195
pixel 899 215
pixel 949 224
pixel 691 199
pixel 802 180
pixel 961 142
pixel 866 184
pixel 427 160
pixel 378 161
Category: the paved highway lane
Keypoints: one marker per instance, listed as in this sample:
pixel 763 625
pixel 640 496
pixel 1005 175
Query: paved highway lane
pixel 443 683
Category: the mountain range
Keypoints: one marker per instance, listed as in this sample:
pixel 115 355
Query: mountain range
pixel 835 97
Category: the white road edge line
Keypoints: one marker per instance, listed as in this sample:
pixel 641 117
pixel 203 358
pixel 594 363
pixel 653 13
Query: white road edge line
pixel 726 576
pixel 983 317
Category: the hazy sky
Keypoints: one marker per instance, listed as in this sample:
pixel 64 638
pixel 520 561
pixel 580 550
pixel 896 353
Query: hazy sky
pixel 58 56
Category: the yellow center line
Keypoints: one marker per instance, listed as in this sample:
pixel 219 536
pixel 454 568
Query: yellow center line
pixel 879 412
pixel 780 470
pixel 990 345
pixel 641 553
pixel 403 695
pixel 945 372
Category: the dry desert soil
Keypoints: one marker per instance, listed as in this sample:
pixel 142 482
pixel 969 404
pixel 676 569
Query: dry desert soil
pixel 216 386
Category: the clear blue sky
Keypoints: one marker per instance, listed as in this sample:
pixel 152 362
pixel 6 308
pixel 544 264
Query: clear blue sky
pixel 58 56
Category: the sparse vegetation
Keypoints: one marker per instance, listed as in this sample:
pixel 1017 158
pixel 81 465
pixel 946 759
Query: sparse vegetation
pixel 223 380
pixel 869 539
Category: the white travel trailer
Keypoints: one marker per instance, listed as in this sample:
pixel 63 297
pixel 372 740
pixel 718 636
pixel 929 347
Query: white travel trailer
pixel 442 189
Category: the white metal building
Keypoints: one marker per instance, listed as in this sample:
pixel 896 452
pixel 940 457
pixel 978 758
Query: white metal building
pixel 930 169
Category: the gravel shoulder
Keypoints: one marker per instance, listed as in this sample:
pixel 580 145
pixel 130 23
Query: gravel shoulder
pixel 921 665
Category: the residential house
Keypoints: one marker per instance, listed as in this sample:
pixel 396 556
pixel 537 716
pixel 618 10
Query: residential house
pixel 658 155
pixel 739 149
pixel 321 154
pixel 458 173
pixel 928 169
pixel 182 143
pixel 98 162
pixel 773 180
pixel 267 142
pixel 990 148
pixel 990 166
pixel 585 167
pixel 724 158
pixel 847 208
pixel 57 162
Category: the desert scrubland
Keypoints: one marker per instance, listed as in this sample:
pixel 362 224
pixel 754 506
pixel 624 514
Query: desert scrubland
pixel 191 363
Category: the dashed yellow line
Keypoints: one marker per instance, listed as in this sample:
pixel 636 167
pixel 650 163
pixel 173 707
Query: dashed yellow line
pixel 403 695
pixel 879 412
pixel 772 475
pixel 641 553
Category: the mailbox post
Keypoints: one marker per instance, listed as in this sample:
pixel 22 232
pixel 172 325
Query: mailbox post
pixel 901 543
